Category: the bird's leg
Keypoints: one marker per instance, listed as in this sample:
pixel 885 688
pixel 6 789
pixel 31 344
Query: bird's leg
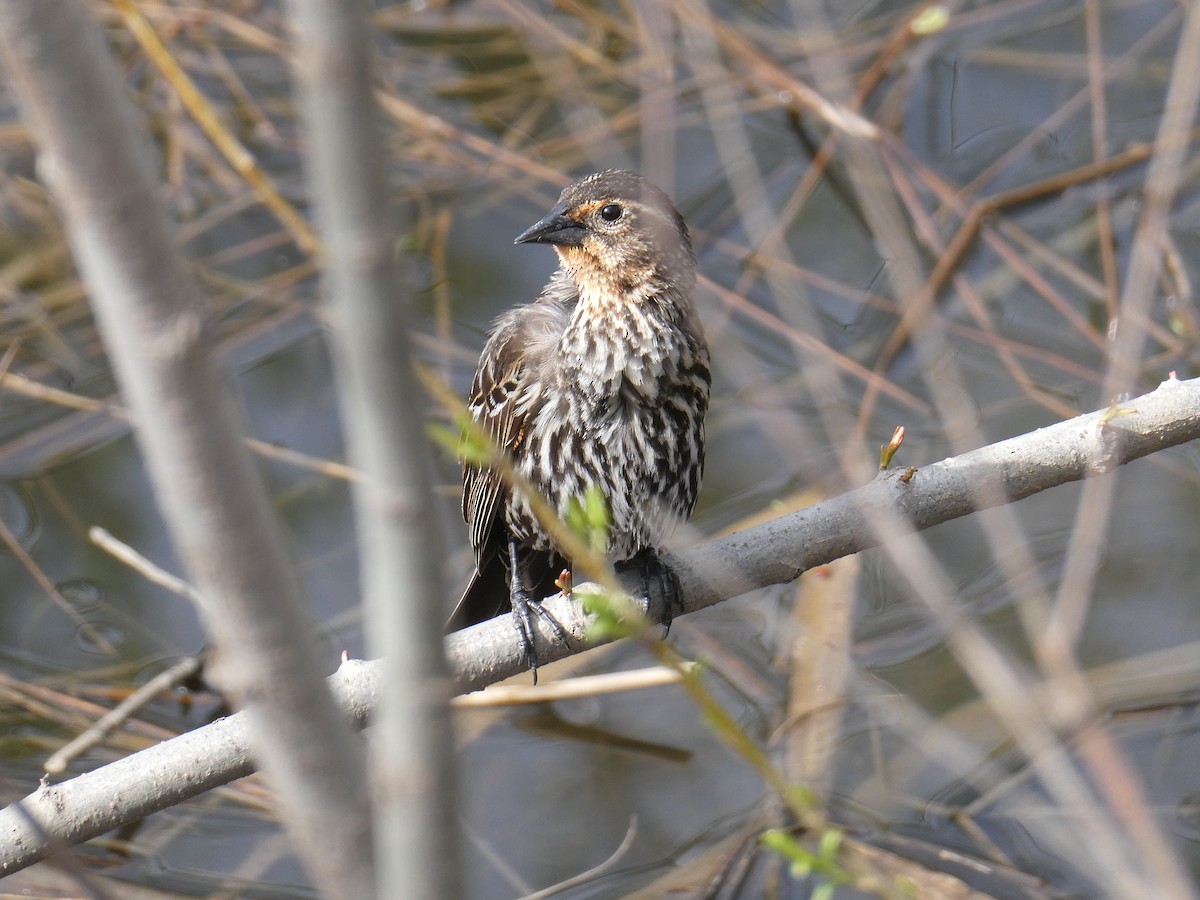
pixel 524 606
pixel 660 585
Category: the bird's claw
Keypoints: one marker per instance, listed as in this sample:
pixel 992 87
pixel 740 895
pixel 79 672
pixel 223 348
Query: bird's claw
pixel 660 585
pixel 524 609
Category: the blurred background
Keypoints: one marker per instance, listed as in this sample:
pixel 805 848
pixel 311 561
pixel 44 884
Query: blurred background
pixel 904 215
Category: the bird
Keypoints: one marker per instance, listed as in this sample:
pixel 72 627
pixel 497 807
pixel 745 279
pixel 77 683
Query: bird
pixel 603 381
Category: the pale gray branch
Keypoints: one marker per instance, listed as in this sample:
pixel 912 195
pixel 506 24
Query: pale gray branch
pixel 412 759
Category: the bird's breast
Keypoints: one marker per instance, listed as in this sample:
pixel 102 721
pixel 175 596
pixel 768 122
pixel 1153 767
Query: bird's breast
pixel 614 376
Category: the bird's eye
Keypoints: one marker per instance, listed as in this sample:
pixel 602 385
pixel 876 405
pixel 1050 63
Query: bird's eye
pixel 611 212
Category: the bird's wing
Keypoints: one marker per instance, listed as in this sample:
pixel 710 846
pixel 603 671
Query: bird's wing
pixel 495 405
pixel 516 361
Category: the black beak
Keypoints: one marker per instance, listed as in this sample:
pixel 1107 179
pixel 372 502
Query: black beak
pixel 556 228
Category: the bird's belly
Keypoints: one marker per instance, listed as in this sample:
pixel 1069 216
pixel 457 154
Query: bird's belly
pixel 633 452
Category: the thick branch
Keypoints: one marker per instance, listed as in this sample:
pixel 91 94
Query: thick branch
pixel 782 549
pixel 99 165
pixel 772 553
pixel 370 297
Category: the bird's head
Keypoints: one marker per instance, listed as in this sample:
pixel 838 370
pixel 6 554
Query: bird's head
pixel 617 226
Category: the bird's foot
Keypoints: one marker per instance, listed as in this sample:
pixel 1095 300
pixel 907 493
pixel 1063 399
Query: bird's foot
pixel 660 585
pixel 524 608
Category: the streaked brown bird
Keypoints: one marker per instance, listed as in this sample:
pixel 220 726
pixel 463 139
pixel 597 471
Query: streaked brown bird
pixel 603 380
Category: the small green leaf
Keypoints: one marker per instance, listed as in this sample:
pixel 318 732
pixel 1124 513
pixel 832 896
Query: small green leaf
pixel 930 20
pixel 589 518
pixel 464 438
pixel 600 604
pixel 614 616
pixel 830 843
pixel 799 857
pixel 804 797
pixel 444 436
pixel 803 862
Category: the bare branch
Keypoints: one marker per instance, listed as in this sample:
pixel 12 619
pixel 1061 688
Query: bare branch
pixel 412 759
